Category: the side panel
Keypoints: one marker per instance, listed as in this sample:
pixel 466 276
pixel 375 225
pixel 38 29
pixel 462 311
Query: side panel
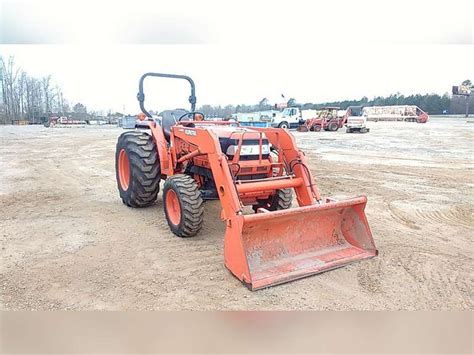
pixel 208 144
pixel 162 146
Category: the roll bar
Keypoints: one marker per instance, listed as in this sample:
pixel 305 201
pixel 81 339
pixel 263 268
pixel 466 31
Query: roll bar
pixel 141 95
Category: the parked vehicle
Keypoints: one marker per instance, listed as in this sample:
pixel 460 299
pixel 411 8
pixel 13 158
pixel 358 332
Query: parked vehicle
pixel 356 121
pixel 407 113
pixel 288 118
pixel 291 116
pixel 63 121
pixel 259 167
pixel 256 119
pixel 327 119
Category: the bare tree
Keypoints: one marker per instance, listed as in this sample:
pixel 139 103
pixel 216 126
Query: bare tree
pixel 25 97
pixel 48 93
pixel 10 96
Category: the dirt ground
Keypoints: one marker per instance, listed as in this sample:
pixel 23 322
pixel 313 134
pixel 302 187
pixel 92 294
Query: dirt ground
pixel 67 241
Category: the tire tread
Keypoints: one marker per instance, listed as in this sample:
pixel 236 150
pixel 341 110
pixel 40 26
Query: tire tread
pixel 145 172
pixel 192 205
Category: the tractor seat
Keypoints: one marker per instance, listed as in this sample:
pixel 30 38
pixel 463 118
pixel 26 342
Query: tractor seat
pixel 169 119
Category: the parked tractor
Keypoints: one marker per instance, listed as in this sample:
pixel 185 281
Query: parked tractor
pixel 328 119
pixel 200 160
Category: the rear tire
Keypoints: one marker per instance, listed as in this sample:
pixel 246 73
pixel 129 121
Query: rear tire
pixel 348 130
pixel 183 205
pixel 280 201
pixel 137 169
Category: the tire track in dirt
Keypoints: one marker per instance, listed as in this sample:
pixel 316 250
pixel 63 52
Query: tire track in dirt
pixel 448 276
pixel 413 217
pixel 401 215
pixel 457 215
pixel 438 276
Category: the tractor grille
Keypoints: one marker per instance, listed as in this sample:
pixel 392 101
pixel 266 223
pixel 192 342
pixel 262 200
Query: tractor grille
pixel 248 157
pixel 229 142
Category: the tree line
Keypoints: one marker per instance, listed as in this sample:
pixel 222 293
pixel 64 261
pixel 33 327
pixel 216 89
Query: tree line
pixel 432 103
pixel 24 97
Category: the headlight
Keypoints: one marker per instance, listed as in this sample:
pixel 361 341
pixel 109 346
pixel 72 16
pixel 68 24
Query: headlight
pixel 248 149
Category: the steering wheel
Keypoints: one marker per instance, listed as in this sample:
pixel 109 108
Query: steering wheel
pixel 193 113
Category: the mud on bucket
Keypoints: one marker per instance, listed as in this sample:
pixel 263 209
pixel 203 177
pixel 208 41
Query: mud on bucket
pixel 290 244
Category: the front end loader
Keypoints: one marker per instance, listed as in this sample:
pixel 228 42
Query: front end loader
pixel 266 243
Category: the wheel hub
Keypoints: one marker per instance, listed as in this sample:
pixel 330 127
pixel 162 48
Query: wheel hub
pixel 124 169
pixel 173 208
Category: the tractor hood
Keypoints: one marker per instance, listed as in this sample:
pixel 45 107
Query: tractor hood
pixel 229 138
pixel 228 131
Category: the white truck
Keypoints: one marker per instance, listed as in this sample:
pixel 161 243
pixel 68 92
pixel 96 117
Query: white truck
pixel 288 118
pixel 291 116
pixel 356 120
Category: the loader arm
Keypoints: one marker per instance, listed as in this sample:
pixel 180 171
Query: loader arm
pixel 208 144
pixel 307 193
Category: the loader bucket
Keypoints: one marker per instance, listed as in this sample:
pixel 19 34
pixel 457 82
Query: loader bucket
pixel 286 245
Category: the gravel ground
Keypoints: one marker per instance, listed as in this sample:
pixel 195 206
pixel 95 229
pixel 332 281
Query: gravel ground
pixel 67 241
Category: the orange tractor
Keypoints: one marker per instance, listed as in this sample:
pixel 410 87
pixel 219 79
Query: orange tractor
pixel 267 244
pixel 327 119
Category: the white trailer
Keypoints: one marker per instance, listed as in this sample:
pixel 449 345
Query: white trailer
pixel 408 113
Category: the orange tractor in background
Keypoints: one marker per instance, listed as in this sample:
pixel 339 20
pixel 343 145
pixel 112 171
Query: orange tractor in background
pixel 328 119
pixel 267 244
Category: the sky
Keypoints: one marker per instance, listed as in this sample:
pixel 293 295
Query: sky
pixel 240 52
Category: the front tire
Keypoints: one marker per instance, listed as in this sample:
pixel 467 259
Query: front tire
pixel 137 169
pixel 284 125
pixel 183 205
